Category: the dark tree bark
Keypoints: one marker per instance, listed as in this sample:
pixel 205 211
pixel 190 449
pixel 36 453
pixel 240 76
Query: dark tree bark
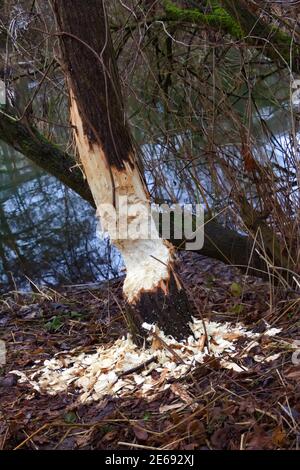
pixel 152 288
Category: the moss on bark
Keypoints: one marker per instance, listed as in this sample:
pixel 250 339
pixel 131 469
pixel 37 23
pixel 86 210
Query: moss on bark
pixel 275 43
pixel 216 18
pixel 235 18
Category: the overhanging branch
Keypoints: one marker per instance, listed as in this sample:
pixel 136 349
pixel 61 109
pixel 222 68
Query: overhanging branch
pixel 28 141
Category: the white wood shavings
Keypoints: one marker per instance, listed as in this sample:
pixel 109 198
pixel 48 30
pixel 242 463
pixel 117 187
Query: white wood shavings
pixel 104 372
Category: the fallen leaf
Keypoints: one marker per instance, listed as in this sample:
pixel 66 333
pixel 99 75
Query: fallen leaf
pixel 84 439
pixel 181 392
pixel 165 408
pixel 109 436
pixel 293 373
pixel 235 289
pixel 196 429
pixel 140 432
pixel 278 436
pixel 232 336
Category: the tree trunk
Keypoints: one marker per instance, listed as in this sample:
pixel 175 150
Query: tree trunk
pixel 152 289
pixel 220 242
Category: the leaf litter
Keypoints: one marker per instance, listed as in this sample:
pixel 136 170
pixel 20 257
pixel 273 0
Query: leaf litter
pixel 209 407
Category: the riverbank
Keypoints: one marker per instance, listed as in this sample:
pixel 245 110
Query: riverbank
pixel 208 407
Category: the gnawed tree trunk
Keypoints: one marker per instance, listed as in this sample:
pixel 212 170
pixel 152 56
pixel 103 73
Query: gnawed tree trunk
pixel 220 242
pixel 152 288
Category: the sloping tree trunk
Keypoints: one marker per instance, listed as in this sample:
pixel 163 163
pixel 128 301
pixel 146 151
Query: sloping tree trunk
pixel 152 288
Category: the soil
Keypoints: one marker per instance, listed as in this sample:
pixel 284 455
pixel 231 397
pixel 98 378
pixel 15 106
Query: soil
pixel 255 409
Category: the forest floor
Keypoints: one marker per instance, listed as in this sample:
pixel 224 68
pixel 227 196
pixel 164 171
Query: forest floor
pixel 208 408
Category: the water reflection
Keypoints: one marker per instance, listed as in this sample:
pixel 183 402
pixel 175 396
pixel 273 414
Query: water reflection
pixel 47 232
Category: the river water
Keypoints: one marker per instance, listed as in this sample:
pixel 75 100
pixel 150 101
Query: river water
pixel 48 234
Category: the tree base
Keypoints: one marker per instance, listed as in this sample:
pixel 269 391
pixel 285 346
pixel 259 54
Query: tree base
pixel 170 311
